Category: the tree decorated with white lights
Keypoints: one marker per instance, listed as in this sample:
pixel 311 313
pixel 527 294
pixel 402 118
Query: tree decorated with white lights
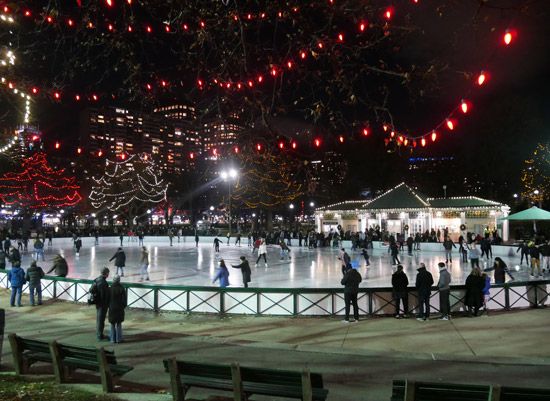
pixel 535 177
pixel 128 186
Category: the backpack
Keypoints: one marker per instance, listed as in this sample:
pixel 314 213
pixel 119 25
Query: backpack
pixel 93 294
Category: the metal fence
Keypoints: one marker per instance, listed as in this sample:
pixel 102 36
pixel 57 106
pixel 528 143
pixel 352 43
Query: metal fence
pixel 286 301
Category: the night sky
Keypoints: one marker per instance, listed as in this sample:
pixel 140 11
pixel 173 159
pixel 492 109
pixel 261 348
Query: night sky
pixel 509 114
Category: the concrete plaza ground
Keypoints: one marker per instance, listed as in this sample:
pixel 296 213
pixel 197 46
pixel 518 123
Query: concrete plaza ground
pixel 185 264
pixel 358 361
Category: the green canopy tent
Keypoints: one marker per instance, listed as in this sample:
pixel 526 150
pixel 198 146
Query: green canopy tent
pixel 533 214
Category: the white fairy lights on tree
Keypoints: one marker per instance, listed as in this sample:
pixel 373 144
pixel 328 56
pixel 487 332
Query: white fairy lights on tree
pixel 128 185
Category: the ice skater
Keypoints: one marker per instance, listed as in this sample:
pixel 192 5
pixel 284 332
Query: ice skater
pixel 245 269
pixel 262 251
pixel 144 263
pixel 120 261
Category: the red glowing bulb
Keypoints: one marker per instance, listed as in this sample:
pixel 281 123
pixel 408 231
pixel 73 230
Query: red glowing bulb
pixel 202 24
pixel 163 83
pixel 289 64
pixel 317 142
pixel 406 142
pixel 191 155
pixel 79 150
pixel 110 27
pixel 250 83
pixel 320 45
pixel 70 22
pixel 392 134
pixel 464 106
pixel 130 28
pixel 185 27
pixel 167 28
pixel 109 2
pixel 77 97
pixel 149 87
pixel 199 82
pixel 341 138
pixel 260 78
pixel 57 145
pixel 100 153
pixel 450 124
pixel 400 138
pixel 385 127
pixel 482 77
pixel 94 97
pixel 508 37
pixel 281 145
pixel 423 142
pixel 365 131
pixel 274 71
pixel 148 29
pixel 388 14
pixel 259 147
pixel 27 13
pixel 236 149
pixel 340 37
pixel 303 54
pixel 362 27
pixel 34 90
pixel 57 95
pixel 294 145
pixel 434 136
pixel 49 19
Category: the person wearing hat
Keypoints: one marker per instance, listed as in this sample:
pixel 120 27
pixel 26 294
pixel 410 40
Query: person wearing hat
pixel 400 282
pixel 424 282
pixel 444 291
pixel 33 277
pixel 245 269
pixel 117 304
pixel 351 281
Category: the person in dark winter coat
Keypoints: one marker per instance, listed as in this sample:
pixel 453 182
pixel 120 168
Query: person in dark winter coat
pixel 2 259
pixel 117 304
pixel 15 256
pixel 120 261
pixel 524 248
pixel 444 291
pixel 394 250
pixel 399 283
pixel 33 276
pixel 60 266
pixel 222 274
pixel 245 269
pixel 102 302
pixel 351 282
pixel 78 245
pixel 345 260
pixel 501 270
pixel 424 282
pixel 448 245
pixel 474 291
pixel 16 277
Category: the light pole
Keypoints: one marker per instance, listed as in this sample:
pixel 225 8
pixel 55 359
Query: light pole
pixel 228 175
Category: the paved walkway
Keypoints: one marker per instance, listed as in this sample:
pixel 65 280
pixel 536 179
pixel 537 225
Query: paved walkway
pixel 358 361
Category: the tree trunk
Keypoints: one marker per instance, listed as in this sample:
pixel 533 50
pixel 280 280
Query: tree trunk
pixel 269 220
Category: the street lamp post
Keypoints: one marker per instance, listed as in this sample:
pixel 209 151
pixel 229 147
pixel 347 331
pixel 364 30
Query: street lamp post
pixel 228 175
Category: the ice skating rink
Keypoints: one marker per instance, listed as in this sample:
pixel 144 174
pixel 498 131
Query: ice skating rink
pixel 188 265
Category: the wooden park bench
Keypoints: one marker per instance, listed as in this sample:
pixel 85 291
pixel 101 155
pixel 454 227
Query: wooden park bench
pixel 407 390
pixel 244 381
pixel 66 358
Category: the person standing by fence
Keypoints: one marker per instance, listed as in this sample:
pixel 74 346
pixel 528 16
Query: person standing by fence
pixel 16 277
pixel 117 304
pixel 424 282
pixel 350 281
pixel 102 295
pixel 33 277
pixel 400 282
pixel 444 291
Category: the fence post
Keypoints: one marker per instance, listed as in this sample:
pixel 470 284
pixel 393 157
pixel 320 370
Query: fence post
pixel 222 301
pixel 371 302
pixel 295 304
pixel 156 299
pixel 54 289
pixel 2 327
pixel 506 297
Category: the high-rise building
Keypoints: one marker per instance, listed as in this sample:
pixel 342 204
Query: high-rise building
pixel 110 132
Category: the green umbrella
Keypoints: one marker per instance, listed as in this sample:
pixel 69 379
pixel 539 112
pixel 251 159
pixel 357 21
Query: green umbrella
pixel 533 214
